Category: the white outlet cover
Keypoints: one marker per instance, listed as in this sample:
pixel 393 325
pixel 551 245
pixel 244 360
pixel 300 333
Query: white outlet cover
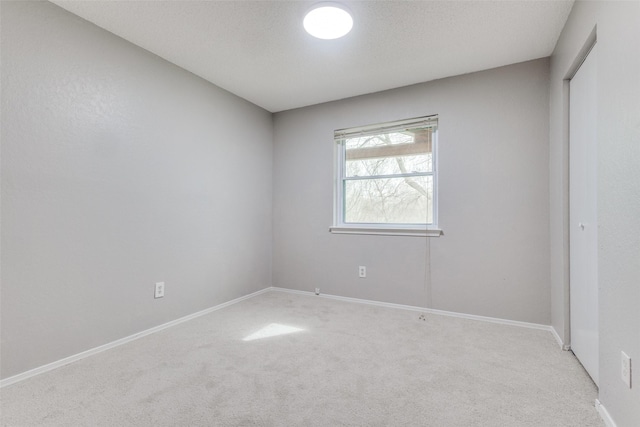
pixel 625 368
pixel 159 292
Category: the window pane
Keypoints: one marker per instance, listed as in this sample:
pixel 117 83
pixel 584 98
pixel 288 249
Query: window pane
pixel 389 200
pixel 379 140
pixel 390 153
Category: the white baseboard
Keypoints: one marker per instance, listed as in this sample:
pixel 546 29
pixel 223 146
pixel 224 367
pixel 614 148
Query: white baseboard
pixel 604 414
pixel 62 362
pixel 423 310
pixel 67 360
pixel 562 345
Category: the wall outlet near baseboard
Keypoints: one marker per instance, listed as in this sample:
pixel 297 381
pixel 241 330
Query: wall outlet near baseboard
pixel 159 292
pixel 317 291
pixel 625 368
pixel 362 271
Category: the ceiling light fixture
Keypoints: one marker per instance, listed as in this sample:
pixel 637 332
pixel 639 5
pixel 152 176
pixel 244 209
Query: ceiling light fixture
pixel 328 21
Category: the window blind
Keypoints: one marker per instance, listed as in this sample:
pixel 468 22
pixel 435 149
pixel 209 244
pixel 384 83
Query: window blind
pixel 400 126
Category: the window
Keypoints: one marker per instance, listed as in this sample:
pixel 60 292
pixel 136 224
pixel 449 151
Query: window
pixel 386 178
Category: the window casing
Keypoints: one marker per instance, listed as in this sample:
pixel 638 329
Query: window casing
pixel 386 178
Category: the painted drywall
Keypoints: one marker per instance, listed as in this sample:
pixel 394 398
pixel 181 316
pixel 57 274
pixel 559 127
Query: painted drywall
pixel 493 259
pixel 618 193
pixel 119 170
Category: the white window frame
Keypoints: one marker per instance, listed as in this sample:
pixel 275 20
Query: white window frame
pixel 339 226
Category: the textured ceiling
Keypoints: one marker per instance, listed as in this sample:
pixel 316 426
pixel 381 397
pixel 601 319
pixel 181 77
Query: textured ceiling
pixel 259 50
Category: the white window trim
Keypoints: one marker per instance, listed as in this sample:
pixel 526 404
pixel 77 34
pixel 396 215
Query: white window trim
pixel 419 230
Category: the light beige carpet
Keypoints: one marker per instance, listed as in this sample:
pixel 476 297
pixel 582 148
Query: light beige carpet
pixel 348 365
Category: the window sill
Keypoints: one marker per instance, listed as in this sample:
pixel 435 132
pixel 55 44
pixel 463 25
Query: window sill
pixel 383 231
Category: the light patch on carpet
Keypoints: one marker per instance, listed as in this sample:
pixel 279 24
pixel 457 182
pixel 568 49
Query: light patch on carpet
pixel 272 330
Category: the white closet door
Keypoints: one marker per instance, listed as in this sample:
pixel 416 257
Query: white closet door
pixel 583 231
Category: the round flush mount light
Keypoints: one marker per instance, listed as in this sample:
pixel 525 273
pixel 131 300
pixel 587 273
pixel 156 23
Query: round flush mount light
pixel 328 21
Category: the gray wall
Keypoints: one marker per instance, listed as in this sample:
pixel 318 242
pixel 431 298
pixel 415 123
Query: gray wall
pixel 119 169
pixel 618 34
pixel 493 259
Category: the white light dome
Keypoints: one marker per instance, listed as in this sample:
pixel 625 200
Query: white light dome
pixel 328 21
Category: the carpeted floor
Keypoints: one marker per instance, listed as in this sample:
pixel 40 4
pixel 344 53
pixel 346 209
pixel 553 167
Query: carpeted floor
pixel 338 364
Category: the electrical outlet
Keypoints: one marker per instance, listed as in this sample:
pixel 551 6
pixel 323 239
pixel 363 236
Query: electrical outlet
pixel 362 271
pixel 159 290
pixel 317 291
pixel 626 369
